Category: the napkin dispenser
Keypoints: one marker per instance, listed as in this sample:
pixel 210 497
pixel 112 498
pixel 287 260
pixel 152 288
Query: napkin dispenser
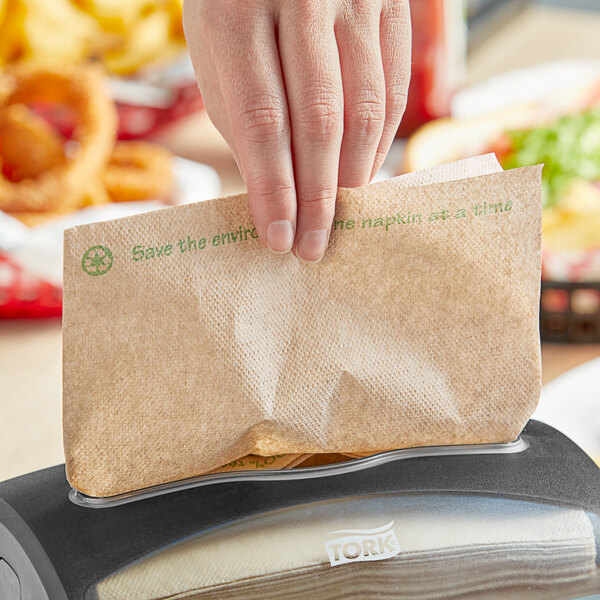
pixel 520 522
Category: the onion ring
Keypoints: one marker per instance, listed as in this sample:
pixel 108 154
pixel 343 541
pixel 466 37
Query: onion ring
pixel 29 146
pixel 94 195
pixel 138 171
pixel 33 218
pixel 64 186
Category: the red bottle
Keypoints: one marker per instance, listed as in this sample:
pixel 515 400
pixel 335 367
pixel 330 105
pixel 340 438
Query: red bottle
pixel 438 60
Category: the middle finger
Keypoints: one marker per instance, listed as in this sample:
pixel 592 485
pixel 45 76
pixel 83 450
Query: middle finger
pixel 364 93
pixel 311 71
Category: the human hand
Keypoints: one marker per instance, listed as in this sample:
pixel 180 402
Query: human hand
pixel 308 94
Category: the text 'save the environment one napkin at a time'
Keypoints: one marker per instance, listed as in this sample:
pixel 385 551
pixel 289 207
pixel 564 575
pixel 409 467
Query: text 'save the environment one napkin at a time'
pixel 189 346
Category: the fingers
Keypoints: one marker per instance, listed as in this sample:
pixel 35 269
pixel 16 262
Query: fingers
pixel 395 39
pixel 364 93
pixel 206 74
pixel 242 42
pixel 311 71
pixel 213 100
pixel 320 110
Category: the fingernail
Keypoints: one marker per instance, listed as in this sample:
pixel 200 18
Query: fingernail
pixel 280 236
pixel 312 245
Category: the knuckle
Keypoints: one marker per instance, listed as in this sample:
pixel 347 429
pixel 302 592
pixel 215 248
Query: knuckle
pixel 263 120
pixel 264 189
pixel 321 114
pixel 396 102
pixel 366 117
pixel 323 198
pixel 397 12
pixel 364 10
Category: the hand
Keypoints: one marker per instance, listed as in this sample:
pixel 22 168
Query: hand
pixel 308 94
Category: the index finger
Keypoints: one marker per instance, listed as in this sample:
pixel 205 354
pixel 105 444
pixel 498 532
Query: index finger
pixel 311 68
pixel 254 95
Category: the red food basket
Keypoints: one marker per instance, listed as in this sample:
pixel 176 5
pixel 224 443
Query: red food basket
pixel 138 116
pixel 138 121
pixel 23 296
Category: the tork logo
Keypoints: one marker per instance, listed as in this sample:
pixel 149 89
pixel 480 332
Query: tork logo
pixel 358 545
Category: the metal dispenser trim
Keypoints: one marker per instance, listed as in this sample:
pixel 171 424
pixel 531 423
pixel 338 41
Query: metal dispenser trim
pixel 350 466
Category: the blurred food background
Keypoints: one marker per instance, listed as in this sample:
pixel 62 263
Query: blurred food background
pixel 100 117
pixel 123 36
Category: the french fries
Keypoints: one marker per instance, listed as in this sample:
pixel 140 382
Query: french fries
pixel 149 40
pixel 124 35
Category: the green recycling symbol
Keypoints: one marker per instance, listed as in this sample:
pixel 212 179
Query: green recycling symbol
pixel 97 260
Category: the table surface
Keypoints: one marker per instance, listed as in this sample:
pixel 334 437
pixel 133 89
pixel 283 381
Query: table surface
pixel 30 351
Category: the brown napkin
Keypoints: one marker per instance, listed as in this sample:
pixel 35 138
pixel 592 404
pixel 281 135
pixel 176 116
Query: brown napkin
pixel 188 346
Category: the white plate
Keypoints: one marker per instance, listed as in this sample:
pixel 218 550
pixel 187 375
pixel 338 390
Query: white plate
pixel 556 83
pixel 571 404
pixel 38 250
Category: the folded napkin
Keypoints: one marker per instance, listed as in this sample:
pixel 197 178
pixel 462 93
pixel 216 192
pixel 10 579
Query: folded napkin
pixel 188 346
pixel 480 165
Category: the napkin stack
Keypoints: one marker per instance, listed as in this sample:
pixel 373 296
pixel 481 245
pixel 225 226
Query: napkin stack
pixel 448 547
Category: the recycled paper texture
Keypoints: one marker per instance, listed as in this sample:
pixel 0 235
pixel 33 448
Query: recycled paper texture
pixel 189 346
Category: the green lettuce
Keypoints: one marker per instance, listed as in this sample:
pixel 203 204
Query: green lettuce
pixel 569 149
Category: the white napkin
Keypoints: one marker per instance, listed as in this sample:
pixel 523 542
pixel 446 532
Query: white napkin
pixel 450 546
